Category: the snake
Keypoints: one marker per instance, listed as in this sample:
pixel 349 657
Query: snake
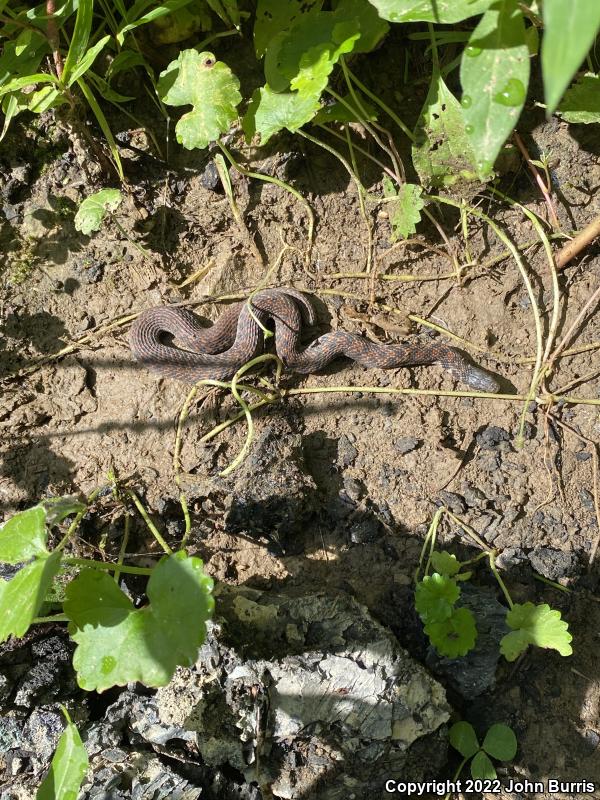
pixel 172 342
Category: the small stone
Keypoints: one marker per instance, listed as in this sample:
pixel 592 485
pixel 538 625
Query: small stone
pixel 365 529
pixel 553 564
pixel 591 740
pixel 353 488
pixel 583 455
pixel 407 444
pixel 492 437
pixel 347 453
pixel 587 499
pixel 210 177
pixel 474 497
pixel 511 557
pixel 452 501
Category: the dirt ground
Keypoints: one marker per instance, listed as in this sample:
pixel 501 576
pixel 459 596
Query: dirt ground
pixel 338 489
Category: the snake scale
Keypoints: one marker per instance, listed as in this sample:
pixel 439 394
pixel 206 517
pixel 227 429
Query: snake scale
pixel 219 351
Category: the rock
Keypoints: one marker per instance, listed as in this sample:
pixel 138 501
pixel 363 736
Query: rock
pixel 347 453
pixel 332 698
pixel 553 564
pixel 407 444
pixel 474 497
pixel 474 673
pixel 365 528
pixel 452 501
pixel 494 438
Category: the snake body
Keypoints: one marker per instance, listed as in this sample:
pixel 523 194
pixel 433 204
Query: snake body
pixel 218 352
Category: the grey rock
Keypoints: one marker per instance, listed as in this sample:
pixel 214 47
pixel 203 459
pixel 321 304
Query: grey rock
pixel 406 444
pixel 494 438
pixel 452 501
pixel 347 453
pixel 553 564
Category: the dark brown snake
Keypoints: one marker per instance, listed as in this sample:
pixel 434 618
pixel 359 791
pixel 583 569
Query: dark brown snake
pixel 218 352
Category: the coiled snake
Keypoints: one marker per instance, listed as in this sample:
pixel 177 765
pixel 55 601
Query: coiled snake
pixel 218 352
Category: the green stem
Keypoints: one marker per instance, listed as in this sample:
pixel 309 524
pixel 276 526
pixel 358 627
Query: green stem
pixel 89 562
pixel 79 516
pixel 404 128
pixel 152 527
pixel 501 583
pixel 53 618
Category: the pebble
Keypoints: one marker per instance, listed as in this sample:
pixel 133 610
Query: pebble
pixel 347 453
pixel 553 564
pixel 407 444
pixel 493 438
pixel 453 501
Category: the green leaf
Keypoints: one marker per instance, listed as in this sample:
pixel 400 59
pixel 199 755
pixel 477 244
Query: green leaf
pixel 269 112
pixel 45 98
pixel 435 597
pixel 123 61
pixel 494 74
pixel 462 737
pixel 117 643
pixel 581 103
pixel 88 59
pixel 23 55
pixel 24 536
pixel 27 80
pixel 445 563
pixel 569 32
pixel 273 16
pixel 22 596
pixel 94 208
pixel 405 214
pixel 370 24
pixel 79 40
pixel 500 742
pixel 442 153
pixel 538 625
pixel 482 768
pixel 68 768
pixel 104 126
pixel 446 11
pixel 454 636
pixel 197 79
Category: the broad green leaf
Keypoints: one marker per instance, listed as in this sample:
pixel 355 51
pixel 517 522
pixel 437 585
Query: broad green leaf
pixel 22 596
pixel 269 112
pixel 79 40
pixel 581 103
pixel 446 11
pixel 442 153
pixel 435 597
pixel 570 29
pixel 317 63
pixel 197 79
pixel 24 536
pixel 454 636
pixel 538 625
pixel 88 59
pixel 494 74
pixel 482 768
pixel 94 208
pixel 462 737
pixel 67 769
pixel 134 20
pixel 445 563
pixel 500 742
pixel 405 214
pixel 180 25
pixel 370 24
pixel 27 80
pixel 273 16
pixel 117 643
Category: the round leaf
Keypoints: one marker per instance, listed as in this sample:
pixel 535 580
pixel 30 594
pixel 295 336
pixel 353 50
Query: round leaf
pixel 454 636
pixel 482 768
pixel 463 738
pixel 500 742
pixel 435 597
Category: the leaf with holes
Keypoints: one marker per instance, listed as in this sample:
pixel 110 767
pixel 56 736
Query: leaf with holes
pixel 442 153
pixel 494 74
pixel 199 80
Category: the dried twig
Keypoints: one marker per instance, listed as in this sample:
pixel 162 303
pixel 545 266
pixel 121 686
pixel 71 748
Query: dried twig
pixel 538 179
pixel 579 243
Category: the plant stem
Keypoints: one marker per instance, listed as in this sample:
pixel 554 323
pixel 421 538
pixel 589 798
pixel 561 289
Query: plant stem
pixel 404 128
pixel 89 562
pixel 152 527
